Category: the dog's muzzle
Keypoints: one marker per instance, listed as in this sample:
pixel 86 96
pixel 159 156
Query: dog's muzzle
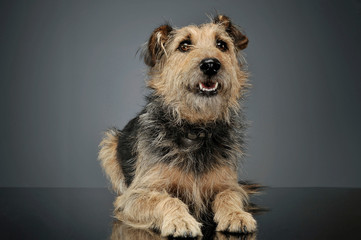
pixel 209 86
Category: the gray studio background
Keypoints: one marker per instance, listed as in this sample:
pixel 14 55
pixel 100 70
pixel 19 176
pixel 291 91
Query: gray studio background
pixel 68 70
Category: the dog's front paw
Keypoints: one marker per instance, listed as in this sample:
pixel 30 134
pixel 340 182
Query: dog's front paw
pixel 236 222
pixel 181 226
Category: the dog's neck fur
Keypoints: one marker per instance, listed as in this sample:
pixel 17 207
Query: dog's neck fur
pixel 169 115
pixel 217 142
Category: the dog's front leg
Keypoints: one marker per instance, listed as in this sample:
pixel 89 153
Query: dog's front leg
pixel 144 208
pixel 229 213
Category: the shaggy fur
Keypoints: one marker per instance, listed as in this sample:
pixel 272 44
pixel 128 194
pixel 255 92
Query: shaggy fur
pixel 121 231
pixel 174 166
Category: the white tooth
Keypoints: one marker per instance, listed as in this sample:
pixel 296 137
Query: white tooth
pixel 201 87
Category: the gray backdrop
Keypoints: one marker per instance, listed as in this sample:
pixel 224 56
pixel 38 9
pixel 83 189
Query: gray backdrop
pixel 68 71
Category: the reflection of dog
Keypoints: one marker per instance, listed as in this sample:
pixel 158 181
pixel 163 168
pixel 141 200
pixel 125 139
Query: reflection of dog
pixel 121 231
pixel 175 164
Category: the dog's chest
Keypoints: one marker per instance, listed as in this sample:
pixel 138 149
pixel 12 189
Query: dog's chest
pixel 193 138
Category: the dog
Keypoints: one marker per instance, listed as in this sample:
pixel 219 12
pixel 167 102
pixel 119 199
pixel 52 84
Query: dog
pixel 174 166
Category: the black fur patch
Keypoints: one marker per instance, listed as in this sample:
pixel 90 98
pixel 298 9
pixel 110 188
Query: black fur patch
pixel 126 153
pixel 167 141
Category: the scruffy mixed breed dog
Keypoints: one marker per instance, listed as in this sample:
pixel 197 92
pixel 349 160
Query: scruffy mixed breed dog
pixel 174 166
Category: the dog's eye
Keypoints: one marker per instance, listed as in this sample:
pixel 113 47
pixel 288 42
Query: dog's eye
pixel 221 45
pixel 185 46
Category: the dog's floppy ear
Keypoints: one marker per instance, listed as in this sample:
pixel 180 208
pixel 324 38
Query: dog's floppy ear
pixel 156 44
pixel 240 40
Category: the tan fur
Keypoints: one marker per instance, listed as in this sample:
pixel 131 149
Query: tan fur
pixel 222 236
pixel 108 159
pixel 121 231
pixel 146 208
pixel 187 72
pixel 162 193
pixel 229 214
pixel 163 196
pixel 197 191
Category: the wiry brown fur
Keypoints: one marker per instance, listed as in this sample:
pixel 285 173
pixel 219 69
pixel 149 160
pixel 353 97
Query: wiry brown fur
pixel 108 156
pixel 165 183
pixel 185 105
pixel 121 231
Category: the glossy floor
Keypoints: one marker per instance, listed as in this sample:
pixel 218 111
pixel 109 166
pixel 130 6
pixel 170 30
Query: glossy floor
pixel 85 213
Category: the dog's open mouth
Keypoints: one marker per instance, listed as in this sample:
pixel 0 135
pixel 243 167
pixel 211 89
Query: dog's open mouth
pixel 208 88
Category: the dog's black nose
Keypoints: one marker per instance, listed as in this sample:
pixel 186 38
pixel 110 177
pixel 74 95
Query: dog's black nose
pixel 210 66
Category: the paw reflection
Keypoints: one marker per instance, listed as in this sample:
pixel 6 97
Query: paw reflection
pixel 122 231
pixel 227 236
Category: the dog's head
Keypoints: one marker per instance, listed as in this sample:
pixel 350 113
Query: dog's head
pixel 198 70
